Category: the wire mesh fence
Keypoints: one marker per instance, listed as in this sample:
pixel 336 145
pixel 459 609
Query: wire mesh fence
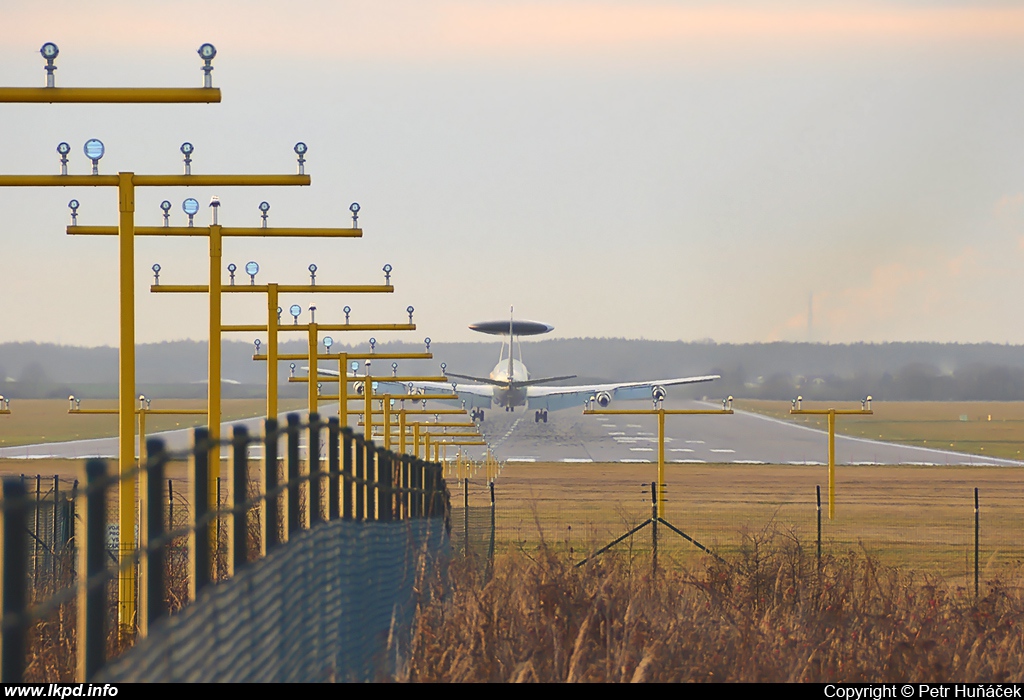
pixel 114 589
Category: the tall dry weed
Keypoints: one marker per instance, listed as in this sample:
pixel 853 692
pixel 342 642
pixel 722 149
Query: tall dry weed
pixel 768 614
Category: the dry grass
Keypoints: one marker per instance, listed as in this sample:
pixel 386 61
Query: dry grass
pixel 767 614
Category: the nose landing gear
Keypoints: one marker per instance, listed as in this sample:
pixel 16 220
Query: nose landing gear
pixel 477 414
pixel 541 415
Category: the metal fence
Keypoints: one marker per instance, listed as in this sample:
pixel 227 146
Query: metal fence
pixel 277 514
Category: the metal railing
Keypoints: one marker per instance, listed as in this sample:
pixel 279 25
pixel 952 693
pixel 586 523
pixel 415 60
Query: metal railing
pixel 362 482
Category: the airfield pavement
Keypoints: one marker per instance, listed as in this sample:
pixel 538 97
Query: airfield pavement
pixel 570 437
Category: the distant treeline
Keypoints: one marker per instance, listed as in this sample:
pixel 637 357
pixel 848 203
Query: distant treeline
pixel 893 371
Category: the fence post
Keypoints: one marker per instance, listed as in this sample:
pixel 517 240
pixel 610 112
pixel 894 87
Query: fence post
pixel 240 494
pixel 654 527
pixel 272 516
pixel 360 477
pixel 315 486
pixel 347 473
pixel 490 548
pixel 385 498
pixel 333 467
pixel 92 596
pixel 406 486
pixel 817 490
pixel 199 537
pixel 15 578
pixel 977 530
pixel 53 536
pixel 373 482
pixel 36 539
pixel 294 521
pixel 156 558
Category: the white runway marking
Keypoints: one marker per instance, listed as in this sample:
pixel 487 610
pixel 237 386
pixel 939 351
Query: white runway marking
pixel 724 451
pixel 633 425
pixel 521 459
pixel 641 449
pixel 694 442
pixel 680 449
pixel 610 425
pixel 576 460
pixel 688 461
pixel 747 461
pixel 616 433
pixel 636 461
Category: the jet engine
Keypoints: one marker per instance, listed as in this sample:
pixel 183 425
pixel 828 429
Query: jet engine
pixel 603 398
pixel 658 393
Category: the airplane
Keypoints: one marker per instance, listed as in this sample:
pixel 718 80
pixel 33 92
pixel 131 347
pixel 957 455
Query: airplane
pixel 509 384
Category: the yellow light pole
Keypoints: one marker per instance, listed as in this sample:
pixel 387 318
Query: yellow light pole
pixel 661 413
pixel 798 410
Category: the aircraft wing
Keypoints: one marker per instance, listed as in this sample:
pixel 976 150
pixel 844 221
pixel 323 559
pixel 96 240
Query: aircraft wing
pixel 473 394
pixel 556 397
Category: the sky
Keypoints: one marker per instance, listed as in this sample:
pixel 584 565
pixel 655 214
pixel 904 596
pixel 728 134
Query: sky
pixel 735 171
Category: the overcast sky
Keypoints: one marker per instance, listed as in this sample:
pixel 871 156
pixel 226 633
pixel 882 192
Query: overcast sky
pixel 668 170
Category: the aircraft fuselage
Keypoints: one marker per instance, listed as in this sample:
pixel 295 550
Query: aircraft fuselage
pixel 510 397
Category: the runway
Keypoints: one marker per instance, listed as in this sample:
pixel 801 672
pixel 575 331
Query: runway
pixel 570 437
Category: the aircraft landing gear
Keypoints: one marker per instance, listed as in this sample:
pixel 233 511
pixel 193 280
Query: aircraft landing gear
pixel 540 416
pixel 477 414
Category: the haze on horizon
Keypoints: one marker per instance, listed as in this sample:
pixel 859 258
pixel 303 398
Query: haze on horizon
pixel 665 170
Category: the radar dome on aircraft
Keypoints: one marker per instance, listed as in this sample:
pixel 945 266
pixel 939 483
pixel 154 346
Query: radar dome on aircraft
pixel 517 327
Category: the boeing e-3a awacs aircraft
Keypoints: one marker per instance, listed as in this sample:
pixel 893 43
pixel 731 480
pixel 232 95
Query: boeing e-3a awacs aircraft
pixel 509 384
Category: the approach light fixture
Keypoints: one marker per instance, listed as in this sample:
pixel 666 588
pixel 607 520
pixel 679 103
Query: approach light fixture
pixel 328 342
pixel 355 366
pixel 444 367
pixel 354 208
pixel 257 343
pixel 71 402
pixel 319 386
pixel 291 369
pixel 295 310
pixel 867 403
pixel 94 150
pixel 49 51
pixel 312 274
pixel 373 345
pixel 215 205
pixel 300 150
pixel 186 150
pixel 231 271
pixel 156 273
pixel 63 148
pixel 191 207
pixel 427 341
pixel 394 369
pixel 207 53
pixel 264 208
pixel 166 206
pixel 251 268
pixel 387 273
pixel 347 310
pixel 279 310
pixel 73 206
pixel 409 311
pixel 312 313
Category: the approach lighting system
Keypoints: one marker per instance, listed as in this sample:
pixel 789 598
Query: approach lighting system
pixel 166 206
pixel 94 150
pixel 191 207
pixel 63 148
pixel 73 206
pixel 409 311
pixel 444 368
pixel 295 310
pixel 312 313
pixel 186 150
pixel 427 342
pixel 231 271
pixel 394 369
pixel 156 273
pixel 215 204
pixel 264 208
pixel 257 343
pixel 251 268
pixel 387 273
pixel 49 51
pixel 207 53
pixel 354 208
pixel 312 274
pixel 328 342
pixel 373 346
pixel 347 310
pixel 279 310
pixel 355 366
pixel 291 369
pixel 300 151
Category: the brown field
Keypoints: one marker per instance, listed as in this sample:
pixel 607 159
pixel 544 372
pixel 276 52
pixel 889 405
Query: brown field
pixel 994 428
pixel 47 420
pixel 921 518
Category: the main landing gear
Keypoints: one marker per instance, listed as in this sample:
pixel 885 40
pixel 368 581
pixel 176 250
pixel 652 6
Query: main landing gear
pixel 477 414
pixel 541 415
